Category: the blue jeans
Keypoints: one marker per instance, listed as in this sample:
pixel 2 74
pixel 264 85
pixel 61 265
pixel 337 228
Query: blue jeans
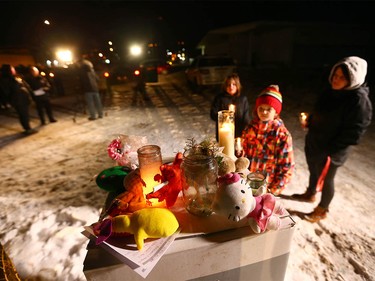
pixel 94 104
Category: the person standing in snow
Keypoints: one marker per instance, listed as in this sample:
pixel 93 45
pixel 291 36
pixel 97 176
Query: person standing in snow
pixel 89 80
pixel 267 143
pixel 41 94
pixel 340 117
pixel 19 94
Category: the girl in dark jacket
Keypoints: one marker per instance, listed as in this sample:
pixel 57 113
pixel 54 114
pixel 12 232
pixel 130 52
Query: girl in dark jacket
pixel 231 95
pixel 340 118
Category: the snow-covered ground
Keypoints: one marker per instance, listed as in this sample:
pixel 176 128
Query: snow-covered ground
pixel 48 191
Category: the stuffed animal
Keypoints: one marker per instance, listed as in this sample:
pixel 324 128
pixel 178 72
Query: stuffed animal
pixel 235 201
pixel 131 199
pixel 226 165
pixel 242 166
pixel 144 223
pixel 112 179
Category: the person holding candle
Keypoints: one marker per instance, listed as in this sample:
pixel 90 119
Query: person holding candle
pixel 340 117
pixel 230 98
pixel 267 143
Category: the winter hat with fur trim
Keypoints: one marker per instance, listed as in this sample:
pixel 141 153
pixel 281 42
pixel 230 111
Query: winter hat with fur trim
pixel 270 96
pixel 357 68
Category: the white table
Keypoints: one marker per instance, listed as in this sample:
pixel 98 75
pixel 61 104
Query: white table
pixel 208 249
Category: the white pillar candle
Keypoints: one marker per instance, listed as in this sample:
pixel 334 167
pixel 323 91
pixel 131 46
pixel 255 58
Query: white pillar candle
pixel 226 132
pixel 226 139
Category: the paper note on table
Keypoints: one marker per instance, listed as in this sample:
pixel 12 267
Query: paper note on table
pixel 142 261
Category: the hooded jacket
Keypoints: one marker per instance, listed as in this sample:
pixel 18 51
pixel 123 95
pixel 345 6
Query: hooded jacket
pixel 340 117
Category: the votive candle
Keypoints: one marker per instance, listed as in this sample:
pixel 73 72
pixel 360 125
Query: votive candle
pixel 150 160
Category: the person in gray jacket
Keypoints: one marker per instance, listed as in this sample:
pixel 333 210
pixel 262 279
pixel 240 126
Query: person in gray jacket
pixel 340 117
pixel 89 81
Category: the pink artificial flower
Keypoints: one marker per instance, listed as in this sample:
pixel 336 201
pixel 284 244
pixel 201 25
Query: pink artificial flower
pixel 115 149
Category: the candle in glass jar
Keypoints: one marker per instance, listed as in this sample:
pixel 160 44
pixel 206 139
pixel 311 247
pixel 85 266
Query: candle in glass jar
pixel 226 132
pixel 149 158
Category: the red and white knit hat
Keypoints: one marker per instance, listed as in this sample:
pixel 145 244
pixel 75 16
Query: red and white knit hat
pixel 270 96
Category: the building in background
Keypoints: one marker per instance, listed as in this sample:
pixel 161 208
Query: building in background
pixel 16 57
pixel 288 44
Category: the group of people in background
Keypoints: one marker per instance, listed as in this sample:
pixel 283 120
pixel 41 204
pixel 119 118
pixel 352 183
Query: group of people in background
pixel 341 116
pixel 19 89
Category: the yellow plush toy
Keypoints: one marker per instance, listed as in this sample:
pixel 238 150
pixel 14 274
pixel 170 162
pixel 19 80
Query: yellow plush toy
pixel 144 223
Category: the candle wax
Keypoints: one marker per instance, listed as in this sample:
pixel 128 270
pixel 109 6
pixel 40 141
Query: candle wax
pixel 226 139
pixel 148 173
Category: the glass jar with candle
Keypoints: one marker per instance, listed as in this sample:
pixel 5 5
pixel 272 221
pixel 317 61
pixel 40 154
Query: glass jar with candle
pixel 226 132
pixel 199 183
pixel 150 160
pixel 257 182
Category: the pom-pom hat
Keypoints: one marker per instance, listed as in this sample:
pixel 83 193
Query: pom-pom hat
pixel 270 96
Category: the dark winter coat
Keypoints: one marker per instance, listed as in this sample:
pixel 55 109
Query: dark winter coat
pixel 17 90
pixel 242 110
pixel 89 78
pixel 339 120
pixel 38 82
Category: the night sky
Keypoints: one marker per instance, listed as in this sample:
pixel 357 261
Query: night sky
pixel 91 23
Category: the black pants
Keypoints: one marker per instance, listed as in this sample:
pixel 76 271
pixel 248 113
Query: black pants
pixel 43 105
pixel 316 162
pixel 23 114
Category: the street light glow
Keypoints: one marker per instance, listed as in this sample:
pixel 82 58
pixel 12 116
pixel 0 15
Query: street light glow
pixel 46 22
pixel 135 50
pixel 65 56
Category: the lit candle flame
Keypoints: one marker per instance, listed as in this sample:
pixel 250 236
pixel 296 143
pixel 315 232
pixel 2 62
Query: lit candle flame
pixel 232 107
